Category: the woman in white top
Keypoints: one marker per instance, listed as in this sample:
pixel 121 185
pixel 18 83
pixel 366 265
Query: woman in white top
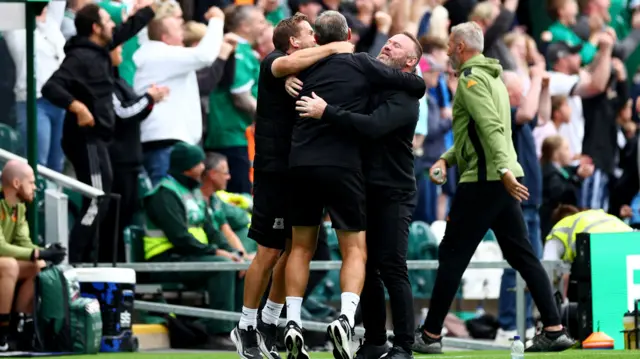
pixel 49 53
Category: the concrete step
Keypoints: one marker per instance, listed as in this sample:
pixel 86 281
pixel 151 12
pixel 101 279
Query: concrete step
pixel 152 336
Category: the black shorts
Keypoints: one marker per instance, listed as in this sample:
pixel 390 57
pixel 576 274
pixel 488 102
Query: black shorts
pixel 270 225
pixel 338 190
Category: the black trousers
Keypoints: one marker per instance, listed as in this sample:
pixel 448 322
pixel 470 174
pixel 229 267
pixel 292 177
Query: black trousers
pixel 91 162
pixel 476 208
pixel 125 183
pixel 389 214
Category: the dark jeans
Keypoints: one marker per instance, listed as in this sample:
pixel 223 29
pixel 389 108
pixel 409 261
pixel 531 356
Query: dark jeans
pixel 239 166
pixel 50 121
pixel 426 200
pixel 92 165
pixel 125 183
pixel 156 163
pixel 507 303
pixel 388 218
pixel 476 208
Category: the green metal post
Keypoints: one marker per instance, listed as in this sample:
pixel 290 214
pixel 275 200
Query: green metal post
pixel 32 116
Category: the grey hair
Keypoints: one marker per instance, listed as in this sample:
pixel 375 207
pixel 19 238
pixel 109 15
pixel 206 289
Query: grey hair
pixel 237 15
pixel 331 26
pixel 213 160
pixel 471 34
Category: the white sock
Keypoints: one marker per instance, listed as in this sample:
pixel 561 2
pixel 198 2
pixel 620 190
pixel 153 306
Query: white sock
pixel 294 307
pixel 271 312
pixel 249 318
pixel 348 305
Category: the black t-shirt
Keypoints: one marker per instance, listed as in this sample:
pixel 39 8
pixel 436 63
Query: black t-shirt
pixel 345 81
pixel 274 119
pixel 600 128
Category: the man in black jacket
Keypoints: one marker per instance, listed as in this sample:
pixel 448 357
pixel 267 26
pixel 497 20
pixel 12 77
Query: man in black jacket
pixel 84 86
pixel 326 173
pixel 125 153
pixel 388 168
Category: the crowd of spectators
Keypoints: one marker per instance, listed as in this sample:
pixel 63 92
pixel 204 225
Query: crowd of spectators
pixel 185 74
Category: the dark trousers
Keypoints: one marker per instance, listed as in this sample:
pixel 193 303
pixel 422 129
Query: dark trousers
pixel 388 218
pixel 476 208
pixel 92 165
pixel 239 166
pixel 125 183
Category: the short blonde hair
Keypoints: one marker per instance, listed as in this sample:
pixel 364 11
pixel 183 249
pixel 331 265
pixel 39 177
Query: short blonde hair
pixel 482 11
pixel 167 8
pixel 193 33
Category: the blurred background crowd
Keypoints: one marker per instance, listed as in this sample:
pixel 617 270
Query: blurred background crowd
pixel 571 69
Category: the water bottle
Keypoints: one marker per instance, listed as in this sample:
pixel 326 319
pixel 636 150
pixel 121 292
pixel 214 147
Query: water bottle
pixel 439 176
pixel 517 348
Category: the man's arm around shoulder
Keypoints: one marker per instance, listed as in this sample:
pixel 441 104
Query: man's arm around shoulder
pixel 399 109
pixel 167 212
pixel 286 65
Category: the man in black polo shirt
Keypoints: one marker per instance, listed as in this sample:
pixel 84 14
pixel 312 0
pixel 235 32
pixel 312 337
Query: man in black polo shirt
pixel 326 173
pixel 388 168
pixel 270 224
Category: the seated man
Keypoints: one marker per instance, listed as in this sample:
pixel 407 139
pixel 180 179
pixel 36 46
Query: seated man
pixel 568 221
pixel 20 260
pixel 214 180
pixel 179 228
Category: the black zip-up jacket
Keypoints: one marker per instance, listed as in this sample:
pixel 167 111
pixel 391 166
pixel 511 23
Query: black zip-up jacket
pixel 557 188
pixel 387 159
pixel 130 109
pixel 86 75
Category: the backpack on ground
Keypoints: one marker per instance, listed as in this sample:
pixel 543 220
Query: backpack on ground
pixel 63 320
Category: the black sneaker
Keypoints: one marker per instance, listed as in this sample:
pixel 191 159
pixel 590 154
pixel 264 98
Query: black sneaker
pixel 398 352
pixel 544 342
pixel 340 334
pixel 247 342
pixel 371 351
pixel 269 334
pixel 4 344
pixel 424 344
pixel 294 342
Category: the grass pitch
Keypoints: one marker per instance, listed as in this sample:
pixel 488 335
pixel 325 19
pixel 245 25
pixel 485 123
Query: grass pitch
pixel 571 354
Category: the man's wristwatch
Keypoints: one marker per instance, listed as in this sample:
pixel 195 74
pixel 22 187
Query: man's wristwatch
pixel 503 171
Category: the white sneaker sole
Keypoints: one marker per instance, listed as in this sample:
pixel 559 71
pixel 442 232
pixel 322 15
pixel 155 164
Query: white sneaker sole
pixel 294 342
pixel 340 340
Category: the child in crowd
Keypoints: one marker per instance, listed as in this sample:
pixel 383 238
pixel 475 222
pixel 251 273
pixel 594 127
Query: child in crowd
pixel 560 181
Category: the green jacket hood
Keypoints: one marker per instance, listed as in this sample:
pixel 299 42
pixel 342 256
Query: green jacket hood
pixel 491 66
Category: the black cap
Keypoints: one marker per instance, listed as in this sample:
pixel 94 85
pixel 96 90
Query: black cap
pixel 559 50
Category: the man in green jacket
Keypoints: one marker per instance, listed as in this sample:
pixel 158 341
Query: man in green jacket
pixel 179 228
pixel 20 260
pixel 488 195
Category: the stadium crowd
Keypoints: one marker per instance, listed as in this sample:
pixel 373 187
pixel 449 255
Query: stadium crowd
pixel 170 90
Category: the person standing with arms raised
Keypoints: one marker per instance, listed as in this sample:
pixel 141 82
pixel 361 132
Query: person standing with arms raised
pixel 488 194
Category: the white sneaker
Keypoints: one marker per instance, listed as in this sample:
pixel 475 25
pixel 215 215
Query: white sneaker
pixel 505 337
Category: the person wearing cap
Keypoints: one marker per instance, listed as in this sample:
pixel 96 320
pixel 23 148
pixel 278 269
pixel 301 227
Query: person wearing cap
pixel 179 228
pixel 488 195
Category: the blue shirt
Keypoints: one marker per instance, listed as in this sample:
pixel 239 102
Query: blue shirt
pixel 421 126
pixel 526 149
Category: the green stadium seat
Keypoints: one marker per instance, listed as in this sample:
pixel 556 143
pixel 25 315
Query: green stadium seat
pixel 144 184
pixel 9 138
pixel 422 246
pixel 132 237
pixel 489 236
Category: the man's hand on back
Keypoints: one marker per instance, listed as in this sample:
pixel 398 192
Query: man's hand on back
pixel 311 106
pixel 293 86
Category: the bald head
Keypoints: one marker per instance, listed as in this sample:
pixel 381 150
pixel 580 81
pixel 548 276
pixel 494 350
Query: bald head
pixel 514 84
pixel 15 170
pixel 18 181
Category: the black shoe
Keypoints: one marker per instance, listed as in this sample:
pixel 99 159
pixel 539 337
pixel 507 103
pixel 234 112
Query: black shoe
pixel 545 342
pixel 269 334
pixel 340 334
pixel 398 352
pixel 4 344
pixel 247 342
pixel 294 342
pixel 424 344
pixel 371 351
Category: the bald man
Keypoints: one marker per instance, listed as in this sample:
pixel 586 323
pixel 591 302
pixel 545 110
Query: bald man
pixel 20 260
